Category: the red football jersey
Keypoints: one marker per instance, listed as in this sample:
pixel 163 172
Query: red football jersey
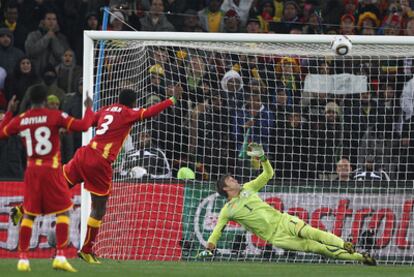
pixel 39 129
pixel 114 123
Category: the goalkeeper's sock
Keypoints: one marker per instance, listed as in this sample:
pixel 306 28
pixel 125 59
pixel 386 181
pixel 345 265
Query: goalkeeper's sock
pixel 24 237
pixel 91 233
pixel 308 232
pixel 62 233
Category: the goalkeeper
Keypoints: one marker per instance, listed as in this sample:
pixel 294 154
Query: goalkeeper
pixel 280 229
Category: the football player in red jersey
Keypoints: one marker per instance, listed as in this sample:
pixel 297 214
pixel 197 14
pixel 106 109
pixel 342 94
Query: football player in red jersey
pixel 46 191
pixel 92 164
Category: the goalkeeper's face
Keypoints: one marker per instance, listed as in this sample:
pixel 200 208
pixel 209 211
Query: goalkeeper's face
pixel 232 185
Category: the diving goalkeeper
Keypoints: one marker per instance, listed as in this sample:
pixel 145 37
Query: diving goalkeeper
pixel 280 229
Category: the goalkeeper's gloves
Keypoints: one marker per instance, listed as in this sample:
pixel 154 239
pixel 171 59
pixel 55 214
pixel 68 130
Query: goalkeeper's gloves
pixel 205 254
pixel 255 150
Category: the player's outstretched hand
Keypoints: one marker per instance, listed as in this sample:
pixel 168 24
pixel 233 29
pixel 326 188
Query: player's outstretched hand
pixel 13 104
pixel 88 102
pixel 255 150
pixel 204 254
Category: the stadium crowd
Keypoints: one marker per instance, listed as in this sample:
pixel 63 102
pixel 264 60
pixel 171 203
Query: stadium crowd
pixel 307 135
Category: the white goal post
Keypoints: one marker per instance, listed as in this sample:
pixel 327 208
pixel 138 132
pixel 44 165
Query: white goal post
pixel 328 83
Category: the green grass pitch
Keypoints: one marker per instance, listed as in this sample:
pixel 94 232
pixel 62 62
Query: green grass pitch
pixel 149 269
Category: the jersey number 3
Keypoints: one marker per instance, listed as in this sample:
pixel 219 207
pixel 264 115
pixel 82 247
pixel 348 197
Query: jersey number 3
pixel 41 143
pixel 105 125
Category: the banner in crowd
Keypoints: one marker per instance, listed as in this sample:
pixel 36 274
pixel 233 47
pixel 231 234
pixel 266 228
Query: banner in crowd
pixel 344 83
pixel 347 215
pixel 11 194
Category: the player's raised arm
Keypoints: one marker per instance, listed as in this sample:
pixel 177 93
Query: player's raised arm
pixel 80 125
pixel 7 125
pixel 256 151
pixel 155 109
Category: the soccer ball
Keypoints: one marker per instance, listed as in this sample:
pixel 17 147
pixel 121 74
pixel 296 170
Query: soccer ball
pixel 341 45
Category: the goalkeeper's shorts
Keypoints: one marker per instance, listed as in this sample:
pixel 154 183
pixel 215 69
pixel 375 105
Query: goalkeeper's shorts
pixel 90 167
pixel 287 232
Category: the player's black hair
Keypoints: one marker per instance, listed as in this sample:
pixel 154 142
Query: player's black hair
pixel 221 183
pixel 38 94
pixel 127 97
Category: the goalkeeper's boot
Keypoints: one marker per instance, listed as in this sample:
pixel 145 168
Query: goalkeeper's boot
pixel 16 214
pixel 349 247
pixel 90 258
pixel 368 260
pixel 23 265
pixel 60 263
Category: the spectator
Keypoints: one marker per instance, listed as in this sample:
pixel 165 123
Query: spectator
pixel 313 26
pixel 267 15
pixel 389 117
pixel 9 55
pixel 49 78
pixel 174 10
pixel 68 73
pixel 292 145
pixel 288 70
pixel 116 21
pixel 360 118
pixel 11 22
pixel 392 24
pixel 21 79
pixel 242 8
pixel 73 107
pixel 350 7
pixel 194 72
pixel 290 18
pixel 191 22
pixel 343 170
pixel 331 13
pixel 347 25
pixel 232 85
pixel 46 45
pixel 211 17
pixel 367 23
pixel 11 156
pixel 168 129
pixel 255 121
pixel 368 172
pixel 90 23
pixel 409 29
pixel 210 136
pixel 231 22
pixel 157 79
pixel 53 102
pixel 253 26
pixel 327 134
pixel 155 20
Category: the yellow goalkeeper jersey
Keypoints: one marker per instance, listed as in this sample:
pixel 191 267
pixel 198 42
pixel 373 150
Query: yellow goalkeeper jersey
pixel 249 210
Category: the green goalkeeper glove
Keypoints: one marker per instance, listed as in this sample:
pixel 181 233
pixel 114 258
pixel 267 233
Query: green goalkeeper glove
pixel 255 150
pixel 205 254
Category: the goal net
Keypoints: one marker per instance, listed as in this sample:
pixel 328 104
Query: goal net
pixel 335 128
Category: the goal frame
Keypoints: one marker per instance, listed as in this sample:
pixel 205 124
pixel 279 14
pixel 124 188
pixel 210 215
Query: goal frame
pixel 88 63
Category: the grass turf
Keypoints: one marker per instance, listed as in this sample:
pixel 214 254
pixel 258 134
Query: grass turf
pixel 144 268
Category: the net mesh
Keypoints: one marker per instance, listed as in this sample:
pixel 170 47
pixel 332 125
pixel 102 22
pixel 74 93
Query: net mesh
pixel 320 117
